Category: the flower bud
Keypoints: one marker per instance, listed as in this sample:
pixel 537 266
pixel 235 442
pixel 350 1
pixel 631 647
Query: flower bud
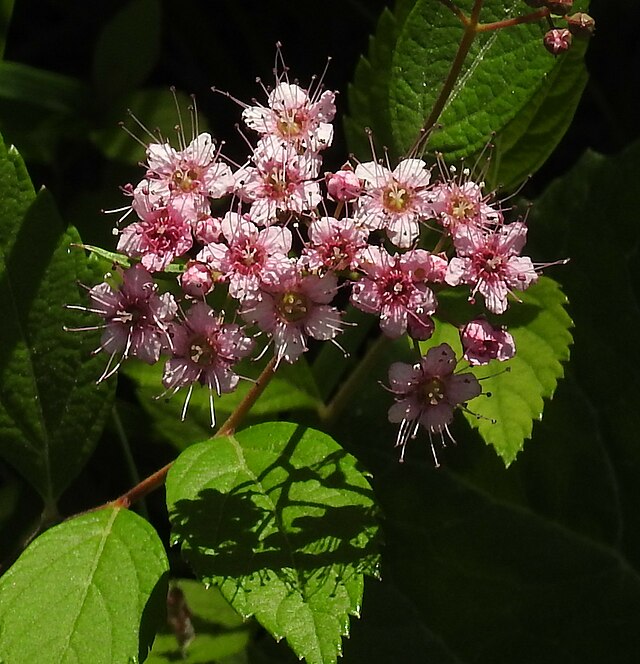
pixel 557 41
pixel 196 280
pixel 581 25
pixel 343 185
pixel 559 7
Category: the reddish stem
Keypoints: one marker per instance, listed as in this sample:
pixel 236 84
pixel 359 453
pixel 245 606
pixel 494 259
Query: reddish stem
pixel 508 22
pixel 153 482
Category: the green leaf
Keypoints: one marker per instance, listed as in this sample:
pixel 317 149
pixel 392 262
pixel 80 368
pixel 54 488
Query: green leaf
pixel 157 109
pixel 369 92
pixel 526 142
pixel 6 10
pixel 51 411
pixel 218 631
pixel 89 590
pixel 540 327
pixel 493 86
pixel 291 389
pixel 282 520
pixel 127 49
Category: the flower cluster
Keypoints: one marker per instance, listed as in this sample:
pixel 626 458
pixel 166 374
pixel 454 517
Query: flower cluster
pixel 286 238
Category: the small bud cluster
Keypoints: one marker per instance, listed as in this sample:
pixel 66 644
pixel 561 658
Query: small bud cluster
pixel 558 40
pixel 280 239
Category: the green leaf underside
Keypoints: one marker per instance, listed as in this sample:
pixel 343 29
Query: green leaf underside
pixel 291 389
pixel 281 519
pixel 218 630
pixel 540 327
pixel 51 411
pixel 89 590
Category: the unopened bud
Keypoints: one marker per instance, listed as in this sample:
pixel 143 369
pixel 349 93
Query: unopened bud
pixel 557 41
pixel 559 7
pixel 343 185
pixel 197 279
pixel 581 25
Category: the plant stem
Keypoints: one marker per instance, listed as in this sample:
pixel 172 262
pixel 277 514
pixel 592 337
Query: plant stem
pixel 470 32
pixel 362 372
pixel 527 18
pixel 153 482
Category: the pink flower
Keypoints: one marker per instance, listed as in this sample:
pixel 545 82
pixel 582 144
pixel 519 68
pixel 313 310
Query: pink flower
pixel 197 279
pixel 250 257
pixel 456 203
pixel 489 262
pixel 482 342
pixel 343 185
pixel 135 317
pixel 281 181
pixel 334 244
pixel 396 288
pixel 292 309
pixel 294 117
pixel 396 201
pixel 159 237
pixel 204 351
pixel 427 393
pixel 190 175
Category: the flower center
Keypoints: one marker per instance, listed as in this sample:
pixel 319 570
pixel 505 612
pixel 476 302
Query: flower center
pixel 293 307
pixel 396 198
pixel 433 391
pixel 201 351
pixel 186 180
pixel 461 207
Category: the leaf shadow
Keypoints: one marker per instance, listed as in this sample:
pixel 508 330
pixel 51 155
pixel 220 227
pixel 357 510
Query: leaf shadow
pixel 297 523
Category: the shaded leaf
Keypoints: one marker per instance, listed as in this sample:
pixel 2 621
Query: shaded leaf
pixel 282 520
pixel 51 411
pixel 89 590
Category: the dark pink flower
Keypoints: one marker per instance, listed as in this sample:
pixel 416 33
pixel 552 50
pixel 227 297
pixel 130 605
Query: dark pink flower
pixel 396 288
pixel 482 342
pixel 204 350
pixel 334 244
pixel 135 317
pixel 427 393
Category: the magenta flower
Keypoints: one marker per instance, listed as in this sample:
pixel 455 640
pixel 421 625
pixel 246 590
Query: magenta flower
pixel 427 393
pixel 396 288
pixel 204 350
pixel 159 237
pixel 250 256
pixel 292 309
pixel 135 317
pixel 482 342
pixel 395 200
pixel 489 262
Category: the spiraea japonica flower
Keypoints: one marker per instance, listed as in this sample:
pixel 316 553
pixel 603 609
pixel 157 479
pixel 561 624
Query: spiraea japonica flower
pixel 482 342
pixel 427 393
pixel 395 200
pixel 396 288
pixel 135 315
pixel 293 308
pixel 488 261
pixel 334 244
pixel 204 350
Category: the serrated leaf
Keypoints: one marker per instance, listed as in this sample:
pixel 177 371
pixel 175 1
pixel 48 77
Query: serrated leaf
pixel 88 590
pixel 291 389
pixel 218 631
pixel 127 49
pixel 281 519
pixel 51 411
pixel 540 327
